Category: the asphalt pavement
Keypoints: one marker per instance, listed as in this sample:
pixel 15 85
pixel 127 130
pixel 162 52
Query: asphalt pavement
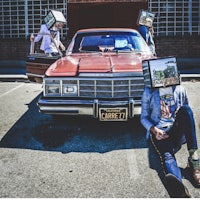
pixel 67 157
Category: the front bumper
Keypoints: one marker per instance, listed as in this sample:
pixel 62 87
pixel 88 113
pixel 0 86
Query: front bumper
pixel 86 107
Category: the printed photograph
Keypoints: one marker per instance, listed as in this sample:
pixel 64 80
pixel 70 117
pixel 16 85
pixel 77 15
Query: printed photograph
pixel 164 72
pixel 146 18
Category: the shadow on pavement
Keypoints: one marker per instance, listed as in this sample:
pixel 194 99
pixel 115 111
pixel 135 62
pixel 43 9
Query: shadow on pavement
pixel 72 134
pixel 67 134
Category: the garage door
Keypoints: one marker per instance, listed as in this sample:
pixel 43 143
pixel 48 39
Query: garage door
pixel 95 15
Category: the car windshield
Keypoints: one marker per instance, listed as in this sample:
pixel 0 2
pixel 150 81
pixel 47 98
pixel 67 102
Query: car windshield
pixel 109 41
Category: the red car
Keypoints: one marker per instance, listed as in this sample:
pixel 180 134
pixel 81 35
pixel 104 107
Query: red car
pixel 100 76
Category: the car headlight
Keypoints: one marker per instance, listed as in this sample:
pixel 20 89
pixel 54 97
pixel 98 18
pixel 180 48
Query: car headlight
pixel 60 88
pixel 70 90
pixel 52 88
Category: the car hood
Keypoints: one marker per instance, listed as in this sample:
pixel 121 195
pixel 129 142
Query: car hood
pixel 74 64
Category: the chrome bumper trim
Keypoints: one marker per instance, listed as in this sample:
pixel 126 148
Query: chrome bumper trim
pixel 85 107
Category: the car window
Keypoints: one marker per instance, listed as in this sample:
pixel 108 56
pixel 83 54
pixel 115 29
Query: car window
pixel 139 44
pixel 118 40
pixel 121 42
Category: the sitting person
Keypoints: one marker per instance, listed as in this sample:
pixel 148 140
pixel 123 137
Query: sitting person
pixel 169 122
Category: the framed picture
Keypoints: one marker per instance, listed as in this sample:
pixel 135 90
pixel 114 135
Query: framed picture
pixel 161 72
pixel 146 18
pixel 52 17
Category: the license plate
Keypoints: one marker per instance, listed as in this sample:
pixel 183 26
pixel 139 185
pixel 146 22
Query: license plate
pixel 113 114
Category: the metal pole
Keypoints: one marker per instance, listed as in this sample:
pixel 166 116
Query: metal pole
pixel 26 17
pixel 190 17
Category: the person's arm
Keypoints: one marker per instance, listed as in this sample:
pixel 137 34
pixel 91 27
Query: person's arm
pixel 181 96
pixel 184 97
pixel 160 134
pixel 62 46
pixel 38 38
pixel 146 113
pixel 143 31
pixel 43 31
pixel 146 116
pixel 151 29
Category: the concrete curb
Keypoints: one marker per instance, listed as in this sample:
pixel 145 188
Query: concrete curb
pixel 184 77
pixel 190 77
pixel 20 76
pixel 14 78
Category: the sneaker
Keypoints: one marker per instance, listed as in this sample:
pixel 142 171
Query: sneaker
pixel 194 166
pixel 175 187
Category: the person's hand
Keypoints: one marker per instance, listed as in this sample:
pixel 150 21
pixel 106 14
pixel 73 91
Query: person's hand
pixel 176 111
pixel 62 47
pixel 32 37
pixel 160 134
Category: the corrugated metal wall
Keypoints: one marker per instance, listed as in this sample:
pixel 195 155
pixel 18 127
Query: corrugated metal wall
pixel 176 18
pixel 19 18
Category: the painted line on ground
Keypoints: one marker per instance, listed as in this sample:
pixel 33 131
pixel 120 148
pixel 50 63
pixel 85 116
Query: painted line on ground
pixel 13 89
pixel 131 158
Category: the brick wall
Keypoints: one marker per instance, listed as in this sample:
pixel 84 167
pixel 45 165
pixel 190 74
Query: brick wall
pixel 14 49
pixel 18 49
pixel 186 47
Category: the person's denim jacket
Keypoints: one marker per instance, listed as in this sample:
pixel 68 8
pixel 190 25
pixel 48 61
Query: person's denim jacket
pixel 151 112
pixel 146 34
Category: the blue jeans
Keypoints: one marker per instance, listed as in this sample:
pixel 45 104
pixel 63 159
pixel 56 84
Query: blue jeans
pixel 184 126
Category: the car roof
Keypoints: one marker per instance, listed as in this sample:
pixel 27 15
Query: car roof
pixel 106 29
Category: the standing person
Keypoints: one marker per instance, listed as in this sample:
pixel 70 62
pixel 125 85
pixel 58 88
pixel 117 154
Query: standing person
pixel 50 39
pixel 146 33
pixel 56 44
pixel 169 122
pixel 151 29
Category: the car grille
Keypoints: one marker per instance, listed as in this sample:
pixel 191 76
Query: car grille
pixel 99 87
pixel 112 88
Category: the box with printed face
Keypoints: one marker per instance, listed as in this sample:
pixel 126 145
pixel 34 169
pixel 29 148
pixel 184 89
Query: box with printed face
pixel 54 16
pixel 146 18
pixel 161 72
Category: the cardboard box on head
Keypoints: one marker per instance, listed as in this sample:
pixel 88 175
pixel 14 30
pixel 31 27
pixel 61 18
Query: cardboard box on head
pixel 160 72
pixel 146 18
pixel 53 17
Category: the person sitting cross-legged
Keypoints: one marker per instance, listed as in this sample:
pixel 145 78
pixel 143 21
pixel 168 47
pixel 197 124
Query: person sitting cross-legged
pixel 169 122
